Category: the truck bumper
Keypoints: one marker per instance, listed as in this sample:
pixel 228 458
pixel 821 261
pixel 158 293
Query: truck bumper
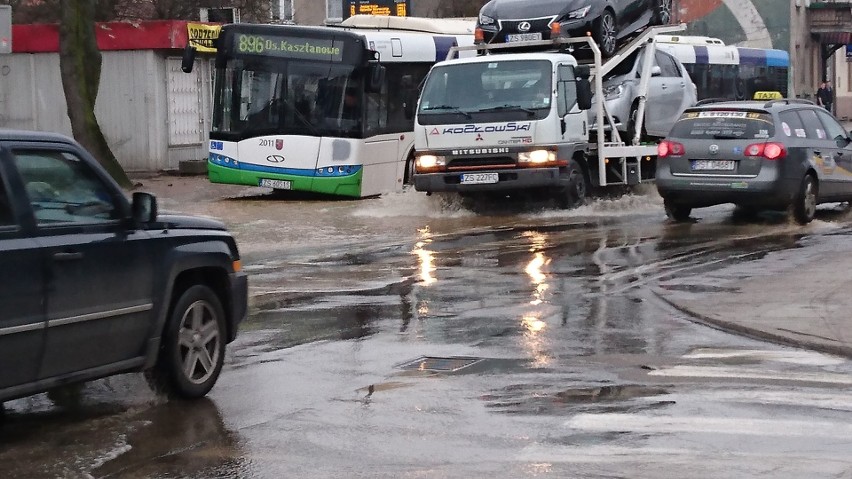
pixel 514 179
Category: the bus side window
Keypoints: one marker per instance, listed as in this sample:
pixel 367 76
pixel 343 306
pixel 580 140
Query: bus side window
pixel 377 110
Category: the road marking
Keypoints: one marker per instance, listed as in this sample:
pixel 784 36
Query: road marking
pixel 745 373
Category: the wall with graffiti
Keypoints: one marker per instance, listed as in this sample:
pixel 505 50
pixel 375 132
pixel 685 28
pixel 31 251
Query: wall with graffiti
pixel 751 23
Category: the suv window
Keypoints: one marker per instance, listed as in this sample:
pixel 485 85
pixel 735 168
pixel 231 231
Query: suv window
pixel 832 127
pixel 63 189
pixel 813 127
pixel 667 65
pixel 791 125
pixel 7 217
pixel 724 124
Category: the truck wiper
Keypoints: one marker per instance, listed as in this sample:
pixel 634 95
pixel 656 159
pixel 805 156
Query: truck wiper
pixel 510 107
pixel 454 109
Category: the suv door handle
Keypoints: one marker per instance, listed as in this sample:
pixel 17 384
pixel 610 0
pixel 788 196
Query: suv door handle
pixel 664 86
pixel 68 256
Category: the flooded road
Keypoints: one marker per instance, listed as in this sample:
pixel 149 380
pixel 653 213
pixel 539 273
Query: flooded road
pixel 405 336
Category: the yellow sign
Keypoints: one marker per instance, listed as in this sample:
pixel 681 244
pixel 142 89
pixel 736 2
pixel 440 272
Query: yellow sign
pixel 768 95
pixel 202 36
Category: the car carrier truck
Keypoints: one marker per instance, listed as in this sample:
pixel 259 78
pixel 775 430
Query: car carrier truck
pixel 518 122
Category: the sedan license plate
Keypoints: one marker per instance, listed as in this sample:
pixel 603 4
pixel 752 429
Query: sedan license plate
pixel 523 37
pixel 276 184
pixel 704 165
pixel 479 178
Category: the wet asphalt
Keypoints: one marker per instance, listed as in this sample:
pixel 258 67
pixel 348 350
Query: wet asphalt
pixel 405 336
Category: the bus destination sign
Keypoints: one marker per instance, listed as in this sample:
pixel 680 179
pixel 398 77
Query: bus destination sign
pixel 394 8
pixel 286 46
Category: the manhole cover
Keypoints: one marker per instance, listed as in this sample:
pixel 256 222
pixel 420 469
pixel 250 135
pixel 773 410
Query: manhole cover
pixel 427 363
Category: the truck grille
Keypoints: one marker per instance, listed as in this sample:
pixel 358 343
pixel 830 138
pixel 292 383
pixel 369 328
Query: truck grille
pixel 474 163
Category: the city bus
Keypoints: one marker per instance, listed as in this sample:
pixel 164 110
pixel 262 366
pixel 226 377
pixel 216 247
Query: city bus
pixel 321 109
pixel 729 72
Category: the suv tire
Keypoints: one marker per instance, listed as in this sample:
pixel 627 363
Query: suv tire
pixel 677 212
pixel 662 12
pixel 804 206
pixel 606 33
pixel 193 347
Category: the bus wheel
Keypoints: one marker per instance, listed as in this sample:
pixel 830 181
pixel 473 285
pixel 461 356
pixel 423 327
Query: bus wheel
pixel 576 188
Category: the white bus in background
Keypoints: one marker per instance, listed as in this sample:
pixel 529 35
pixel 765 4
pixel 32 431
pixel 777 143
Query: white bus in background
pixel 323 109
pixel 720 71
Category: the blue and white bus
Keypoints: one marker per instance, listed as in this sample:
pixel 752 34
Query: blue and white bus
pixel 322 109
pixel 736 73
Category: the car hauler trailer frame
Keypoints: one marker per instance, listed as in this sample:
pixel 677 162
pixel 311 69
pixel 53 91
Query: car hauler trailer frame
pixel 452 143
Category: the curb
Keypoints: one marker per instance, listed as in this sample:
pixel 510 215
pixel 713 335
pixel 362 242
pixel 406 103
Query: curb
pixel 800 341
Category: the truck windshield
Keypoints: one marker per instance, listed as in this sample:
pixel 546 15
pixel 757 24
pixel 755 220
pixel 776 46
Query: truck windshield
pixel 500 90
pixel 261 97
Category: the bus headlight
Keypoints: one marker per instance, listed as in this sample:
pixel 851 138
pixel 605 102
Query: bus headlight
pixel 536 157
pixel 430 162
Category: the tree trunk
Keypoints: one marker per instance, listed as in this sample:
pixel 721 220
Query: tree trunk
pixel 80 65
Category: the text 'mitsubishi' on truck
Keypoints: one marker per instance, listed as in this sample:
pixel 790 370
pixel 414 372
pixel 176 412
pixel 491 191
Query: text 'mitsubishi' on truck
pixel 518 123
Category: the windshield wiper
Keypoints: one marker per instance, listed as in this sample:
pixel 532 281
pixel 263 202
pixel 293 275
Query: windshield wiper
pixel 454 109
pixel 510 107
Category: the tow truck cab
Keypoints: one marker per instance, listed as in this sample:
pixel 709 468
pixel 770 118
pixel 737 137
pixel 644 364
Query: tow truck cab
pixel 501 122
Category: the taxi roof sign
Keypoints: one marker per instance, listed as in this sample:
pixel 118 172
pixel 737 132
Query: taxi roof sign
pixel 768 95
pixel 5 29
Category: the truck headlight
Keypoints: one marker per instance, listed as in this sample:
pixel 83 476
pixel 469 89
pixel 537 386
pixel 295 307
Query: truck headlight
pixel 485 20
pixel 430 162
pixel 537 157
pixel 580 12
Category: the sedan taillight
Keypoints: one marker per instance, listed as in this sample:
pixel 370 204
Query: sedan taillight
pixel 770 150
pixel 670 148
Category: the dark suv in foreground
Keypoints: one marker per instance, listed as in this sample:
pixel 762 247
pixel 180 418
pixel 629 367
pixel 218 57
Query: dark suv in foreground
pixel 781 154
pixel 93 284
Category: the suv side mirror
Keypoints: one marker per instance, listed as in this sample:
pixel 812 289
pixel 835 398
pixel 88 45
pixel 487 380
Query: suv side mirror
pixel 188 59
pixel 144 208
pixel 656 71
pixel 843 141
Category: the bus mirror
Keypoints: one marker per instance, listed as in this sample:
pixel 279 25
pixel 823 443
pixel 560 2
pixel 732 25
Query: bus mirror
pixel 584 94
pixel 188 59
pixel 407 82
pixel 377 78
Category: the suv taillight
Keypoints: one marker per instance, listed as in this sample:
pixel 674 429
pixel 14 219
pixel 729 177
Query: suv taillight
pixel 670 148
pixel 770 150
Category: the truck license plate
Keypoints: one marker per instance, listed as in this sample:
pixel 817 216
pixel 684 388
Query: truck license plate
pixel 479 178
pixel 523 37
pixel 701 165
pixel 277 184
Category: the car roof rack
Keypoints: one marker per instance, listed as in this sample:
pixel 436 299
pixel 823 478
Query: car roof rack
pixel 708 101
pixel 788 101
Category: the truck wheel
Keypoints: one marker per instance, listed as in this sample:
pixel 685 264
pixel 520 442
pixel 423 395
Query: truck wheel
pixel 576 188
pixel 804 206
pixel 193 347
pixel 409 172
pixel 605 33
pixel 677 212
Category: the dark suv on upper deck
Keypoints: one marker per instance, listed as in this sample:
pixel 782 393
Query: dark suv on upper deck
pixel 95 284
pixel 781 154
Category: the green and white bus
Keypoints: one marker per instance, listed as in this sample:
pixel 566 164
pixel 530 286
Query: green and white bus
pixel 321 109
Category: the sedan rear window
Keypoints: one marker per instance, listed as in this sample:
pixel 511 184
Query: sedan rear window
pixel 721 125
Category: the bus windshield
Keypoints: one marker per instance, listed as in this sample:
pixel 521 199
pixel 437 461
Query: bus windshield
pixel 275 96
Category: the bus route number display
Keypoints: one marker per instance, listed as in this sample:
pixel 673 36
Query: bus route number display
pixel 291 47
pixel 395 8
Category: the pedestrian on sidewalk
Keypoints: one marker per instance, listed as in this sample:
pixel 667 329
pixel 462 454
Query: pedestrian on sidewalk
pixel 825 95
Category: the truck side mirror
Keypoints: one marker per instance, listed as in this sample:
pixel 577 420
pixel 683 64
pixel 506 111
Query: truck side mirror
pixel 584 94
pixel 188 59
pixel 377 78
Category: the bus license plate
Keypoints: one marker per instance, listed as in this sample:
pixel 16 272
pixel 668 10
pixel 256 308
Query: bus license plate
pixel 276 184
pixel 523 37
pixel 479 178
pixel 702 165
